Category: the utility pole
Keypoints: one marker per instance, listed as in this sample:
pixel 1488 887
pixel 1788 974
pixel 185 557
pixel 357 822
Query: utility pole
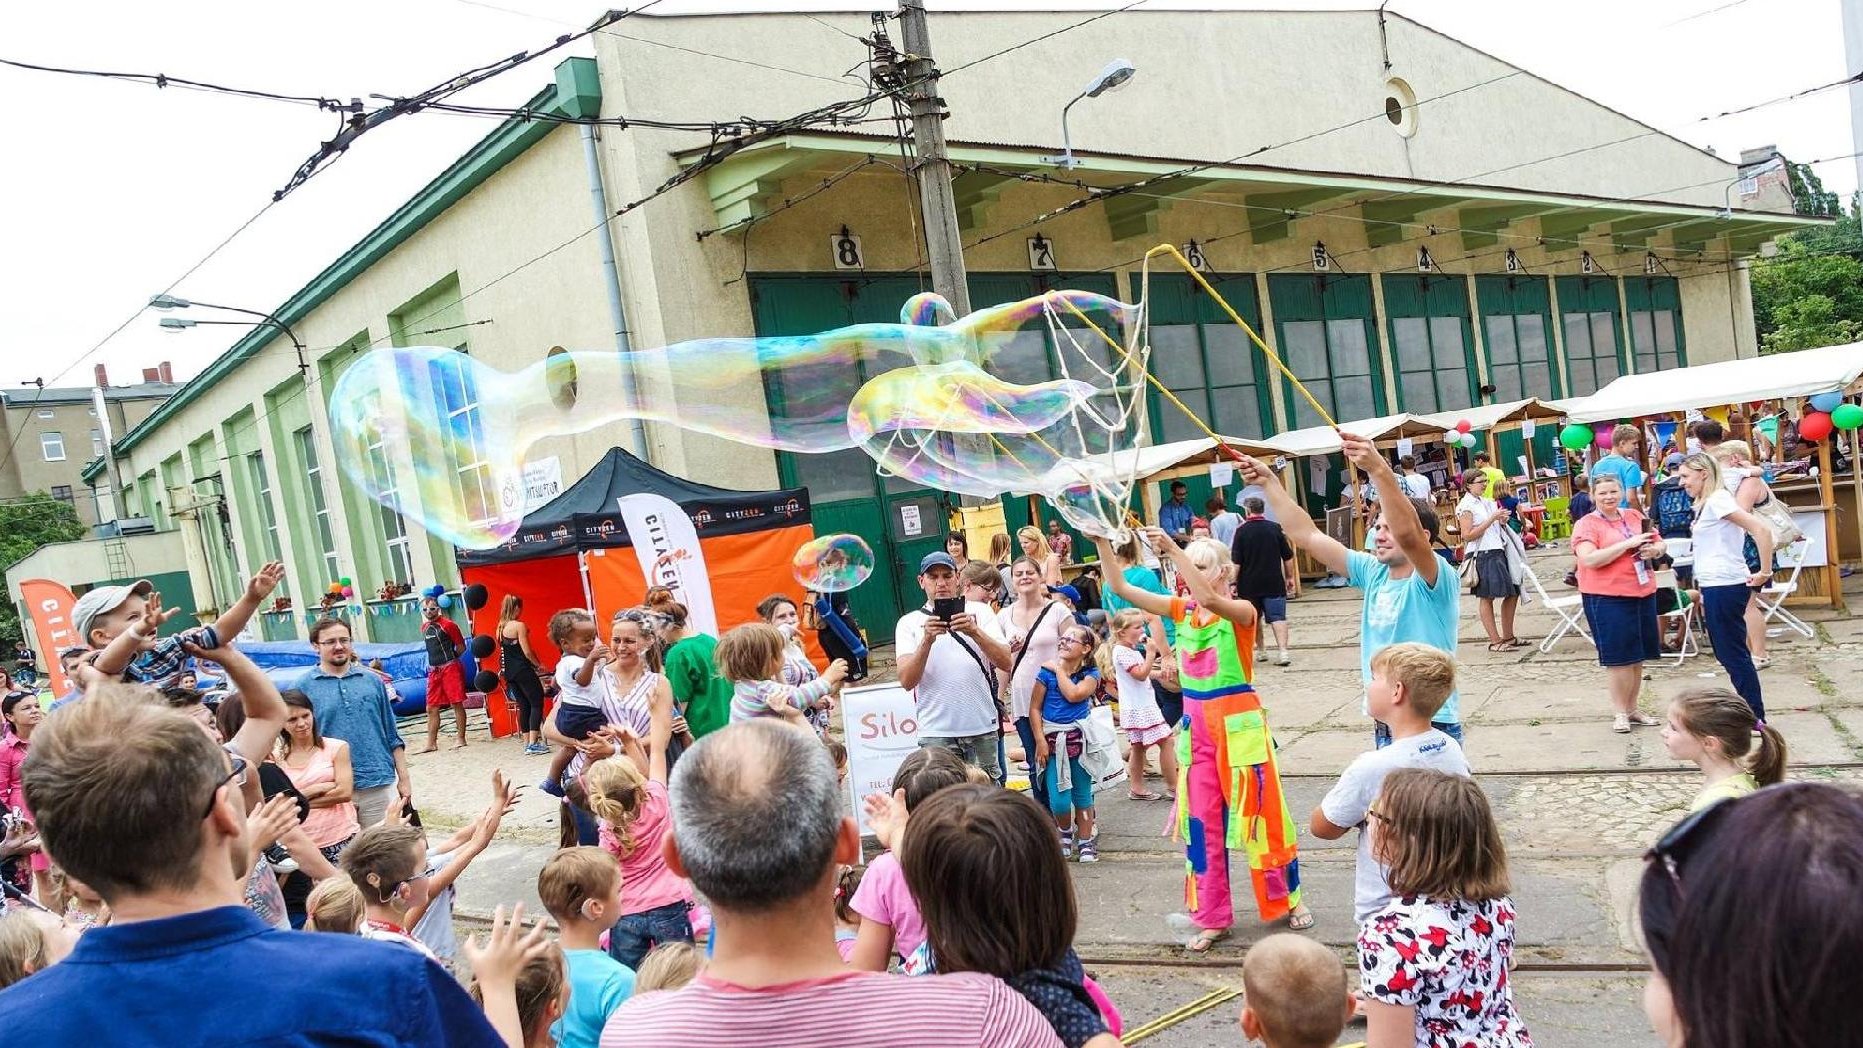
pixel 933 169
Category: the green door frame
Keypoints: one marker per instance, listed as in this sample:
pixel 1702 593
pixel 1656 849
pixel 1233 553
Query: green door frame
pixel 1649 293
pixel 1595 294
pixel 1175 299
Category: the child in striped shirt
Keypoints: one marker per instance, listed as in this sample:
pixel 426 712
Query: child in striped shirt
pixel 751 658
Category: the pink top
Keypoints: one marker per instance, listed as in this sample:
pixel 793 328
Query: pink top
pixel 336 823
pixel 645 880
pixel 870 1009
pixel 1619 577
pixel 884 897
pixel 12 755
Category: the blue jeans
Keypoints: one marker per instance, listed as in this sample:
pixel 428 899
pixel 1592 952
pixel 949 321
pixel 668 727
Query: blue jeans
pixel 635 934
pixel 1036 777
pixel 1381 732
pixel 1723 612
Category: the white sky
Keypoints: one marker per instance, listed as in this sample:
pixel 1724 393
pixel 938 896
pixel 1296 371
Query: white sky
pixel 111 190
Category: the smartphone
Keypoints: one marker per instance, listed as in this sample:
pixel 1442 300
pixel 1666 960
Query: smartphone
pixel 947 608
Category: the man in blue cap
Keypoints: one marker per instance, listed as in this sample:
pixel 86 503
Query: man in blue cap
pixel 950 652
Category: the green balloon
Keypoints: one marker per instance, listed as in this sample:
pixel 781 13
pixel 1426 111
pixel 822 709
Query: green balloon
pixel 1847 416
pixel 1576 437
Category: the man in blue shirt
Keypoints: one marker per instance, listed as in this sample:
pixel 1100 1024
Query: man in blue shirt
pixel 1175 516
pixel 138 802
pixel 351 703
pixel 1411 594
pixel 1622 463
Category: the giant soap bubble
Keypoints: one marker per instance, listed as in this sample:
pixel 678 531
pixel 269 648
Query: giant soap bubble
pixel 967 406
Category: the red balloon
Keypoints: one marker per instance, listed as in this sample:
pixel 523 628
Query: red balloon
pixel 1464 426
pixel 1816 425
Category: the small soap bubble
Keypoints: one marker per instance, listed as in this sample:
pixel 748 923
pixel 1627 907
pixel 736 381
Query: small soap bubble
pixel 833 563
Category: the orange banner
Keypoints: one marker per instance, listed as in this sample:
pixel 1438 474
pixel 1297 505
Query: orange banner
pixel 50 604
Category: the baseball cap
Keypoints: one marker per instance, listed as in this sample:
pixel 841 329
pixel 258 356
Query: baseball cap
pixel 105 599
pixel 938 559
pixel 1674 460
pixel 1072 594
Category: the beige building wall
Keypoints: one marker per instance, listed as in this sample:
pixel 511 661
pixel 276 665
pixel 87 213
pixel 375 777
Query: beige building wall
pixel 72 418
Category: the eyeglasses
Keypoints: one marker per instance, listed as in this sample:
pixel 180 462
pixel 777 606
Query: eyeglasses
pixel 1675 843
pixel 237 776
pixel 334 642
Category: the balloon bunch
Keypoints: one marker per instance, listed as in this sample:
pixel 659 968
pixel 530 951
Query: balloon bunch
pixel 1829 411
pixel 481 646
pixel 341 588
pixel 1576 438
pixel 1462 436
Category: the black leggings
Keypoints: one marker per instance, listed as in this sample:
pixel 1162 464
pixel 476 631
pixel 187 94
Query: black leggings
pixel 526 691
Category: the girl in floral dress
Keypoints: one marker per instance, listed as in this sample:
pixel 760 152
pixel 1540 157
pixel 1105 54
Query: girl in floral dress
pixel 1433 963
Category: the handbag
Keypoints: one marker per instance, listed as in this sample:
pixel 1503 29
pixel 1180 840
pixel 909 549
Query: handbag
pixel 1778 518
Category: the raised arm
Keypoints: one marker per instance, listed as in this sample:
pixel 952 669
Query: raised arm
pixel 1400 515
pixel 229 624
pixel 1144 600
pixel 136 637
pixel 1295 524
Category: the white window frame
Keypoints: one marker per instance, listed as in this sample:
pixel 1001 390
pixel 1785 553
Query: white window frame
pixel 97 444
pixel 47 413
pixel 320 507
pixel 52 445
pixel 463 409
pixel 268 517
pixel 394 530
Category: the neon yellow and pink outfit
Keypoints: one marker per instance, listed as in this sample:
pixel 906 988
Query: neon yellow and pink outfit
pixel 1228 791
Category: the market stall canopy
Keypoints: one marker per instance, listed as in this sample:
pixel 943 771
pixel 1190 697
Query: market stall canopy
pixel 1782 375
pixel 1488 416
pixel 1147 463
pixel 1324 440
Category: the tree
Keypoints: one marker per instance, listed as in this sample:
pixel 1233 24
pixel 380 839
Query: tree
pixel 1811 293
pixel 25 525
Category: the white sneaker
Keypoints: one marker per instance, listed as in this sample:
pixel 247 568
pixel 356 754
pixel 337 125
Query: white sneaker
pixel 1280 658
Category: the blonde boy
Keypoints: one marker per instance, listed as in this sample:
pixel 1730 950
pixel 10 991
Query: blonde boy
pixel 120 624
pixel 1409 683
pixel 1294 993
pixel 581 888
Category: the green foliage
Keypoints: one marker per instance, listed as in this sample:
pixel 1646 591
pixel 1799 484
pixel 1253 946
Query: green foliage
pixel 1811 293
pixel 25 525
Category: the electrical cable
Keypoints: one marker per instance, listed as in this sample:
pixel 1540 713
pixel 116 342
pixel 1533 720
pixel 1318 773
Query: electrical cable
pixel 163 80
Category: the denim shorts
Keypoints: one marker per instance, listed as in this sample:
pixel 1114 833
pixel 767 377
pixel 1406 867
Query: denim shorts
pixel 637 933
pixel 1270 609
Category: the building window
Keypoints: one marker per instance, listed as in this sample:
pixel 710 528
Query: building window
pixel 394 529
pixel 103 504
pixel 320 508
pixel 97 444
pixel 1205 360
pixel 92 412
pixel 1333 360
pixel 268 517
pixel 52 444
pixel 1432 364
pixel 472 478
pixel 47 413
pixel 62 492
pixel 1590 351
pixel 1519 360
pixel 1655 314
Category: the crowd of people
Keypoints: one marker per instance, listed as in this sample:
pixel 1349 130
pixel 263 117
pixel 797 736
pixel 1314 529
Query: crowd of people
pixel 710 888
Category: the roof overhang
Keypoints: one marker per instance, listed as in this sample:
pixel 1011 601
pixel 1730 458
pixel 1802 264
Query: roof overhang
pixel 749 183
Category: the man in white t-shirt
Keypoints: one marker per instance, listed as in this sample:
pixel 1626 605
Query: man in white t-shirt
pixel 1416 485
pixel 950 664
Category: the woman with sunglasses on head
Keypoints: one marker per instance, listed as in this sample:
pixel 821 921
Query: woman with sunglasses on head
pixel 1749 911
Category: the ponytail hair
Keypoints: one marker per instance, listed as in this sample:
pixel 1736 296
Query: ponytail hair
pixel 1722 715
pixel 617 792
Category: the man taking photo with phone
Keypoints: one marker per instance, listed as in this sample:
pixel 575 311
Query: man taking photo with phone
pixel 950 653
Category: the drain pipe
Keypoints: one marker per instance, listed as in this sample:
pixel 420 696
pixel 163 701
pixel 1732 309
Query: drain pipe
pixel 611 279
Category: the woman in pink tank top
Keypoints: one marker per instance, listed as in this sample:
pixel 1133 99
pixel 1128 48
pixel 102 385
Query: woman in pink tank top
pixel 320 770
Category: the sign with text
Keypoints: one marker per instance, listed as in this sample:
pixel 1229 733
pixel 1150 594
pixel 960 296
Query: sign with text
pixel 50 605
pixel 882 729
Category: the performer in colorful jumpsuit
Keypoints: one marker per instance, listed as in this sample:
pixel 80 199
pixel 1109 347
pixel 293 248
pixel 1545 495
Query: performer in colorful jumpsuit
pixel 1229 790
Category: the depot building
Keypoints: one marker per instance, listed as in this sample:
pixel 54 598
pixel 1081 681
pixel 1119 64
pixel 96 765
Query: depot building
pixel 1412 224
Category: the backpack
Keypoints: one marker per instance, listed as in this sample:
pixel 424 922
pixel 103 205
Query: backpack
pixel 1675 511
pixel 440 647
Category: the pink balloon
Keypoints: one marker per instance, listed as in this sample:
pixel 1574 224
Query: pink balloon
pixel 1464 426
pixel 349 591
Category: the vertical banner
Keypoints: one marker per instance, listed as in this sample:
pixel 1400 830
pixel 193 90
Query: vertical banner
pixel 882 729
pixel 668 547
pixel 50 604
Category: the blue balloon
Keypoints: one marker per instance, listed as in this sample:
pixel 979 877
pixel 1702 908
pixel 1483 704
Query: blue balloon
pixel 445 600
pixel 1827 401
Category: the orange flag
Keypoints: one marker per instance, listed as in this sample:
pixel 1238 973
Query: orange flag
pixel 50 604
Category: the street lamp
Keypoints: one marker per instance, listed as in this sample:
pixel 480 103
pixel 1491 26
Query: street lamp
pixel 1116 73
pixel 172 324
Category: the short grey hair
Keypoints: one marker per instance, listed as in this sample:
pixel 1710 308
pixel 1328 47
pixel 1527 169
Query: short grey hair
pixel 1254 506
pixel 756 813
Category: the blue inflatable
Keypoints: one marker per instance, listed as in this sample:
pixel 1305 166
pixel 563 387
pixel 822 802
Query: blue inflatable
pixel 406 665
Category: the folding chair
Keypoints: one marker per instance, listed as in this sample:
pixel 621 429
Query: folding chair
pixel 1570 610
pixel 1685 611
pixel 1772 598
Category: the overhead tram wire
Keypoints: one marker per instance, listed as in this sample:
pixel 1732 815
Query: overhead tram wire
pixel 164 80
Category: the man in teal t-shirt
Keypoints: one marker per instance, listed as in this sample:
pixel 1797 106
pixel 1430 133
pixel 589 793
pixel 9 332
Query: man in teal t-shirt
pixel 1411 593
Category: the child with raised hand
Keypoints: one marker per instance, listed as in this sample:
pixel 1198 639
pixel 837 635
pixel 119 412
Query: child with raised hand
pixel 1135 651
pixel 890 925
pixel 432 921
pixel 1716 729
pixel 581 889
pixel 518 978
pixel 1409 683
pixel 1294 993
pixel 387 863
pixel 995 897
pixel 668 966
pixel 1434 962
pixel 751 658
pixel 627 793
pixel 1058 707
pixel 120 624
pixel 579 688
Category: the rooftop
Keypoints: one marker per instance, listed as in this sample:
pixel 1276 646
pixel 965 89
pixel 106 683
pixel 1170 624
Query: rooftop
pixel 29 398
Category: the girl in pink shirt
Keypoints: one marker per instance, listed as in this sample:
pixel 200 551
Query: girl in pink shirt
pixel 22 718
pixel 889 916
pixel 627 792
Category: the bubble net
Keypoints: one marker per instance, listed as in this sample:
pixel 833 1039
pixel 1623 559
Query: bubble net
pixel 832 563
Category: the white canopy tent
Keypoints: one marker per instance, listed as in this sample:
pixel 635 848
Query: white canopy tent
pixel 1799 374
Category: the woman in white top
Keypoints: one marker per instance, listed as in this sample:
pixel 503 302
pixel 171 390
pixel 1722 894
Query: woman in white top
pixel 1482 523
pixel 1035 547
pixel 1747 482
pixel 1721 571
pixel 1032 623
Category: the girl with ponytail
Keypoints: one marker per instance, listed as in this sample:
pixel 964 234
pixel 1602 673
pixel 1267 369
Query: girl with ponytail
pixel 1736 752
